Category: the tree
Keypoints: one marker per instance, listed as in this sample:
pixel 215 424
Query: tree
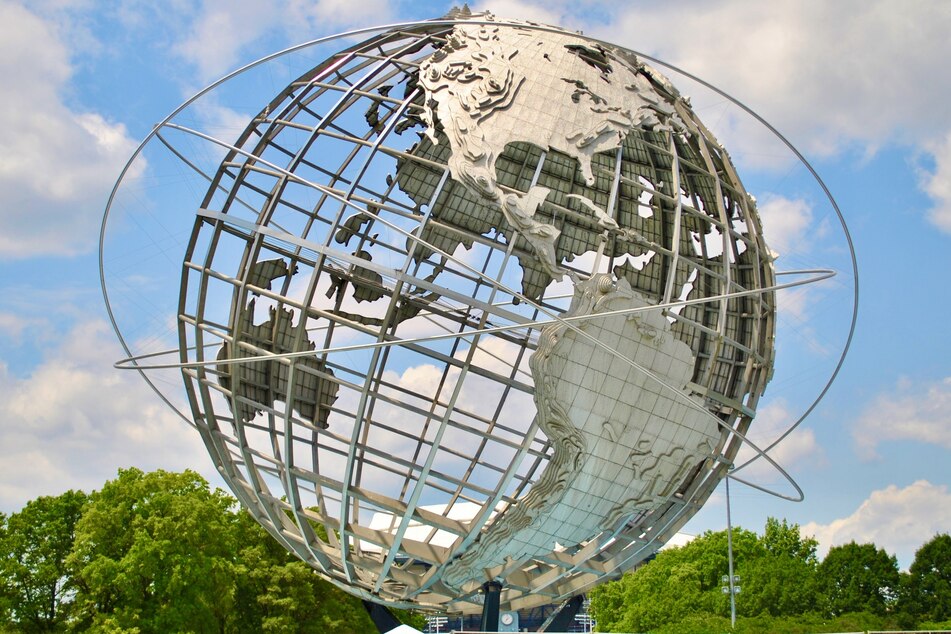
pixel 858 578
pixel 784 539
pixel 608 605
pixel 778 586
pixel 927 591
pixel 160 552
pixel 36 593
pixel 153 552
pixel 275 592
pixel 677 583
pixel 783 581
pixel 6 587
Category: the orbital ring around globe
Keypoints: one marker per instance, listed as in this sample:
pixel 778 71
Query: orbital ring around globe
pixel 819 275
pixel 548 443
pixel 133 363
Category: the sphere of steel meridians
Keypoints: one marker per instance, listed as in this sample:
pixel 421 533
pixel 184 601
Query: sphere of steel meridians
pixel 483 283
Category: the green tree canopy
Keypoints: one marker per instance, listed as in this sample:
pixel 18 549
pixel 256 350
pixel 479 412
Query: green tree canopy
pixel 161 552
pixel 153 552
pixel 6 587
pixel 784 587
pixel 782 539
pixel 782 581
pixel 275 592
pixel 679 581
pixel 927 592
pixel 858 578
pixel 35 587
pixel 158 552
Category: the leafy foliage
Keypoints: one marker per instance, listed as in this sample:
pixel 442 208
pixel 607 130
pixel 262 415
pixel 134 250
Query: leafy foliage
pixel 782 581
pixel 782 539
pixel 7 594
pixel 153 551
pixel 36 588
pixel 858 578
pixel 278 593
pixel 678 582
pixel 926 592
pixel 159 552
pixel 785 588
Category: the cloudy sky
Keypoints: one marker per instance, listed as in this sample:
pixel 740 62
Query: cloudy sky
pixel 859 86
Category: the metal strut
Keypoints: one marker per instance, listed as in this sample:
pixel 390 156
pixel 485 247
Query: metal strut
pixel 492 591
pixel 381 616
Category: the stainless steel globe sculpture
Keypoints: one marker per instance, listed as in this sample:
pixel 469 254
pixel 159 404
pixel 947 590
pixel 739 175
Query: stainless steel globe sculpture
pixel 475 300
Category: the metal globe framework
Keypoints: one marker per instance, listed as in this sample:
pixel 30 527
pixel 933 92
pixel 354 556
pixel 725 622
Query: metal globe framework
pixel 474 300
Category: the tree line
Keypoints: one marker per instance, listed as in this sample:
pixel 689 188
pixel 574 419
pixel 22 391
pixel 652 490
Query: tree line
pixel 162 552
pixel 159 552
pixel 784 587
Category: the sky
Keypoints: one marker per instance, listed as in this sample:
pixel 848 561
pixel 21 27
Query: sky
pixel 860 87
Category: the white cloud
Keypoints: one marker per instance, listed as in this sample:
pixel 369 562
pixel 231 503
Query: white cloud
pixel 919 413
pixel 898 520
pixel 74 420
pixel 311 16
pixel 12 326
pixel 548 13
pixel 937 184
pixel 789 229
pixel 220 121
pixel 786 223
pixel 223 30
pixel 56 164
pixel 870 71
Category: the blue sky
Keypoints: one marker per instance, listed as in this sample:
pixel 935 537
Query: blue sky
pixel 861 88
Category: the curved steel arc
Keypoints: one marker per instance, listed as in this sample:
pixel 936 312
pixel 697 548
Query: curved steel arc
pixel 198 170
pixel 123 364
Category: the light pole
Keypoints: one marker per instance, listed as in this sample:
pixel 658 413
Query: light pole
pixel 732 579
